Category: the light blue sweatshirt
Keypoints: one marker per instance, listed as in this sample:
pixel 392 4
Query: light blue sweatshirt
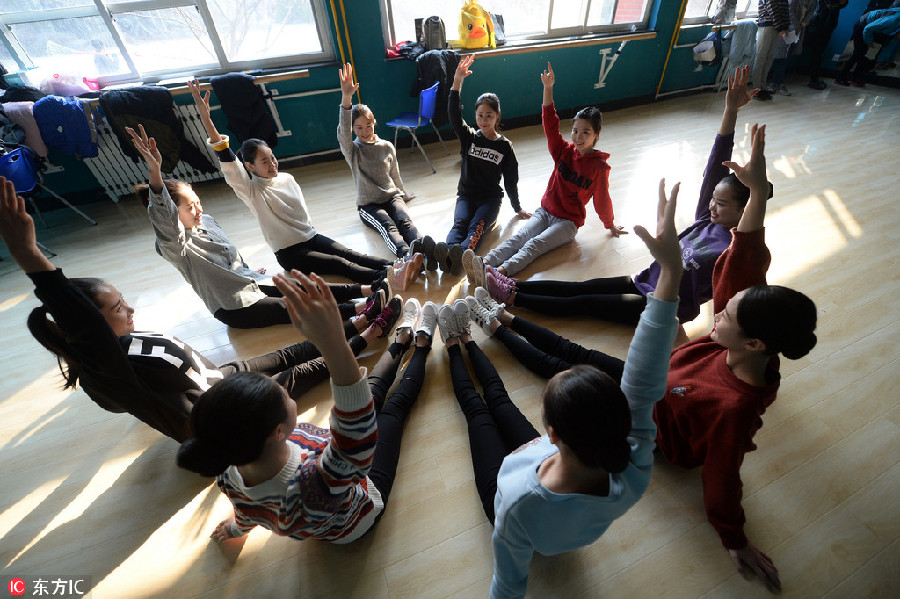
pixel 530 517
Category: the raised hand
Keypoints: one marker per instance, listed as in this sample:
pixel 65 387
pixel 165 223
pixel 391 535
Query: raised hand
pixel 750 557
pixel 462 71
pixel 314 313
pixel 348 88
pixel 202 103
pixel 146 146
pixel 753 174
pixel 547 76
pixel 737 95
pixel 17 230
pixel 664 245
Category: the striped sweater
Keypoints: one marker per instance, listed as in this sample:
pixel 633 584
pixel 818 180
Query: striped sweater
pixel 774 13
pixel 322 492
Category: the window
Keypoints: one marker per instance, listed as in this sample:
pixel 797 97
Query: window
pixel 701 11
pixel 523 19
pixel 131 40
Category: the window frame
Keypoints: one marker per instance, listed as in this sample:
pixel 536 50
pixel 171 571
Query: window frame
pixel 749 12
pixel 108 11
pixel 551 36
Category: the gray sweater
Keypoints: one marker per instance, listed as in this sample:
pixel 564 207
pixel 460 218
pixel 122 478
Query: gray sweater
pixel 373 165
pixel 204 256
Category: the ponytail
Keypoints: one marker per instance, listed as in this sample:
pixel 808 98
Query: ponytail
pixel 51 336
pixel 782 318
pixel 142 191
pixel 231 422
pixel 590 413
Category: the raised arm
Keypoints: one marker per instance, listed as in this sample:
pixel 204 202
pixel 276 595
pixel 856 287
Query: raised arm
pixel 17 230
pixel 548 79
pixel 664 246
pixel 202 103
pixel 348 88
pixel 146 147
pixel 462 71
pixel 736 98
pixel 314 313
pixel 753 175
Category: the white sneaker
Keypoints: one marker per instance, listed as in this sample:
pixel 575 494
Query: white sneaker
pixel 410 319
pixel 484 298
pixel 479 315
pixel 477 270
pixel 461 312
pixel 428 320
pixel 447 323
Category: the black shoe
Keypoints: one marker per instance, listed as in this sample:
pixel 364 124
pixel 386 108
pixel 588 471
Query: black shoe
pixel 820 85
pixel 763 95
pixel 428 252
pixel 441 251
pixel 454 258
pixel 389 316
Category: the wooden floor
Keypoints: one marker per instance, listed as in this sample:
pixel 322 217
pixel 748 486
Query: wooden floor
pixel 86 492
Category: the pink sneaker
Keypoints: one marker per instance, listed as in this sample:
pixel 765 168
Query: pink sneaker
pixel 497 288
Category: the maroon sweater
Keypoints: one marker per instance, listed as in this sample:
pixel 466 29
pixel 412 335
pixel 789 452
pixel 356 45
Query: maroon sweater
pixel 575 178
pixel 708 416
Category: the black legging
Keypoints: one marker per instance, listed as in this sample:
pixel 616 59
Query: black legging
pixel 858 58
pixel 298 367
pixel 615 299
pixel 545 353
pixel 393 412
pixel 325 256
pixel 272 310
pixel 496 426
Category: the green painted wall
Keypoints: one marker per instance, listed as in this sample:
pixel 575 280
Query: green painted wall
pixel 386 84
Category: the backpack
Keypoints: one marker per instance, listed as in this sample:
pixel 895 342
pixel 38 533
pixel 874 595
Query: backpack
pixel 476 28
pixel 433 35
pixel 709 51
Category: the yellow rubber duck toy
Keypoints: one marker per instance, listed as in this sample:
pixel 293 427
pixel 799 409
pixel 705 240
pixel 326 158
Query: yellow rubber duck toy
pixel 475 28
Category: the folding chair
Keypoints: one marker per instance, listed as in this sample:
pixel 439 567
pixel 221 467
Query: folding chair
pixel 410 121
pixel 22 166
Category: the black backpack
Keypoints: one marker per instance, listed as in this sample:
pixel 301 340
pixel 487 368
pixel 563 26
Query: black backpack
pixel 434 37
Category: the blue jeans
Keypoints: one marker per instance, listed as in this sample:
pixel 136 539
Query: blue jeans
pixel 471 220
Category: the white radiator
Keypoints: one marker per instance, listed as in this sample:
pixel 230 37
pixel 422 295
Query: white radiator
pixel 118 174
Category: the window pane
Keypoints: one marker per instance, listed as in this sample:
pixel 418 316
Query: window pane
pixel 406 13
pixel 167 39
pixel 567 13
pixel 697 8
pixel 524 17
pixel 81 46
pixel 602 10
pixel 631 11
pixel 6 59
pixel 274 28
pixel 26 5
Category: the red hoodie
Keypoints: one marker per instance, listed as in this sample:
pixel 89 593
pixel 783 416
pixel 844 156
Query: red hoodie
pixel 575 178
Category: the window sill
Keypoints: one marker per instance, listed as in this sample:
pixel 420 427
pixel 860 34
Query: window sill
pixel 540 45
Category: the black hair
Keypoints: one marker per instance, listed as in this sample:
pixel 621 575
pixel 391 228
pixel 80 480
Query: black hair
pixel 358 110
pixel 52 336
pixel 589 412
pixel 231 422
pixel 780 317
pixel 250 149
pixel 592 114
pixel 142 191
pixel 493 103
pixel 740 193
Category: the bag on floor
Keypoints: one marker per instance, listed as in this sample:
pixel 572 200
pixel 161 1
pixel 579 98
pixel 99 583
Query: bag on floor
pixel 476 29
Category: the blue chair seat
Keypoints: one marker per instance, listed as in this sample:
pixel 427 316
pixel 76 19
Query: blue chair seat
pixel 410 121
